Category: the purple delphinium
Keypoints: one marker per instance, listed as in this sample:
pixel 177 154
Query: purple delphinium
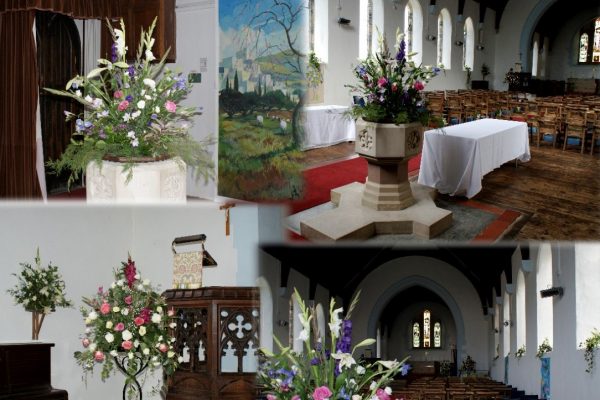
pixel 114 52
pixel 315 361
pixel 401 55
pixel 129 98
pixel 180 83
pixel 131 71
pixel 404 369
pixel 154 116
pixel 344 342
pixel 101 134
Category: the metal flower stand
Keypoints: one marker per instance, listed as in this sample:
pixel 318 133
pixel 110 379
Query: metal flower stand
pixel 132 390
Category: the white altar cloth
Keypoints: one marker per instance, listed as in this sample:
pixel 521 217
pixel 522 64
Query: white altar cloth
pixel 326 126
pixel 455 159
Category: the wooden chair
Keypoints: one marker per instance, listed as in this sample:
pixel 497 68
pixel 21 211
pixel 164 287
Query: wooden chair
pixel 460 395
pixel 406 395
pixel 455 109
pixel 487 395
pixel 435 105
pixel 595 132
pixel 575 126
pixel 549 122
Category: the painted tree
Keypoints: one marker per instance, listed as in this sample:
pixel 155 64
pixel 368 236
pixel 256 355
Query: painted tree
pixel 236 83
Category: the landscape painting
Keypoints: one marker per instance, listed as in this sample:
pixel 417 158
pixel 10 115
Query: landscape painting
pixel 262 48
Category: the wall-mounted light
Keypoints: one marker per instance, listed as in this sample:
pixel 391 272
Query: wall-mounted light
pixel 553 291
pixel 343 21
pixel 458 43
pixel 508 323
pixel 431 38
pixel 480 47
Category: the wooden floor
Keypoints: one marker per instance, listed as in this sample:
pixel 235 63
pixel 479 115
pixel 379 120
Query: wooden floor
pixel 559 192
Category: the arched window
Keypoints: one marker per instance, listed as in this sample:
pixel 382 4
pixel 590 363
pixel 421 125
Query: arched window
pixel 587 279
pixel 319 28
pixel 535 55
pixel 545 324
pixel 444 40
pixel 321 322
pixel 365 29
pixel 596 49
pixel 468 44
pixel 413 30
pixel 583 47
pixel 521 310
pixel 589 42
pixel 426 333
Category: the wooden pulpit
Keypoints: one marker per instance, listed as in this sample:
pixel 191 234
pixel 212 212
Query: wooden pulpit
pixel 25 372
pixel 217 335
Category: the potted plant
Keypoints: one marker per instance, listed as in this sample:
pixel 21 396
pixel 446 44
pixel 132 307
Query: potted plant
pixel 389 130
pixel 485 71
pixel 520 352
pixel 128 329
pixel 543 349
pixel 40 291
pixel 325 371
pixel 132 123
pixel 590 345
pixel 314 75
pixel 468 366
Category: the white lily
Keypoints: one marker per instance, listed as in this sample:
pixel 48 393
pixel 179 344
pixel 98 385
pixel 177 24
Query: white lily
pixel 346 360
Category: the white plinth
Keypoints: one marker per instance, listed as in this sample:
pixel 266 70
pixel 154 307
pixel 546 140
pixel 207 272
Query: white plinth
pixel 153 182
pixel 350 220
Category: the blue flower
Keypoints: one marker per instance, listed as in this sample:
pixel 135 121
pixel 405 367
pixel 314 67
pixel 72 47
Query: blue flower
pixel 129 98
pixel 315 361
pixel 180 83
pixel 404 369
pixel 131 71
pixel 401 51
pixel 79 125
pixel 114 52
pixel 154 116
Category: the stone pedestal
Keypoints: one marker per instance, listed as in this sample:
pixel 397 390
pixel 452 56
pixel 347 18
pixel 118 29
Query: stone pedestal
pixel 387 186
pixel 152 182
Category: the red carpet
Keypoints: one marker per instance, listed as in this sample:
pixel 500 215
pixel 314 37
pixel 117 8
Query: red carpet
pixel 319 181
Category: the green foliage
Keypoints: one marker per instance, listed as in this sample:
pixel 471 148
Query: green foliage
pixel 445 367
pixel 391 86
pixel 39 289
pixel 130 113
pixel 314 75
pixel 543 348
pixel 520 352
pixel 468 366
pixel 590 345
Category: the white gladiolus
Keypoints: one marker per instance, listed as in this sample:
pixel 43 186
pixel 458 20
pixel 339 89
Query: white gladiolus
pixel 373 385
pixel 126 335
pixel 141 104
pixel 360 370
pixel 150 83
pixel 150 56
pixel 120 42
pixel 336 322
pixel 303 335
pixel 388 390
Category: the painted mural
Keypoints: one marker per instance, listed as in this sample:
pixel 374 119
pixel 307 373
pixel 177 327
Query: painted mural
pixel 545 383
pixel 260 95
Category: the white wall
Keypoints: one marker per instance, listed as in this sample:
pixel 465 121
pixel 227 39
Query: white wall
pixel 87 243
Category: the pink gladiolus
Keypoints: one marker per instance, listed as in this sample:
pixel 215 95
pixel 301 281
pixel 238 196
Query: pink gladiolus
pixel 382 395
pixel 123 105
pixel 130 272
pixel 138 321
pixel 85 342
pixel 127 345
pixel 120 327
pixel 296 397
pixel 382 82
pixel 163 348
pixel 118 94
pixel 271 397
pixel 171 312
pixel 128 300
pixel 419 85
pixel 99 356
pixel 170 106
pixel 105 308
pixel 322 393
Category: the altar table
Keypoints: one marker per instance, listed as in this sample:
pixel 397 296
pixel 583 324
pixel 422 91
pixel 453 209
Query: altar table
pixel 326 126
pixel 455 158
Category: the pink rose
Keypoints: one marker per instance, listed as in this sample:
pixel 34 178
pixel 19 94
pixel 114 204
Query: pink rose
pixel 170 106
pixel 118 94
pixel 127 345
pixel 99 356
pixel 105 308
pixel 120 327
pixel 382 395
pixel 322 393
pixel 128 300
pixel 85 342
pixel 123 105
pixel 419 85
pixel 163 348
pixel 296 397
pixel 171 312
pixel 138 321
pixel 382 82
pixel 271 397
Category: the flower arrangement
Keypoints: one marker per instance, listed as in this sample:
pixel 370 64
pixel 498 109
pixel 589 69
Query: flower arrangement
pixel 322 373
pixel 468 366
pixel 40 290
pixel 445 368
pixel 520 352
pixel 314 75
pixel 392 86
pixel 543 348
pixel 131 113
pixel 127 328
pixel 590 344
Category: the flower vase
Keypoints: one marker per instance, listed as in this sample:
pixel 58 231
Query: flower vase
pixel 147 181
pixel 37 319
pixel 132 390
pixel 387 149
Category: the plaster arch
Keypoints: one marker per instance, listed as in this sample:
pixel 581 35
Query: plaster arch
pixel 528 30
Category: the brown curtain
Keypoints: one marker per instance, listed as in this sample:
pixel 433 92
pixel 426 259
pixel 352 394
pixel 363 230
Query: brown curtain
pixel 18 104
pixel 19 86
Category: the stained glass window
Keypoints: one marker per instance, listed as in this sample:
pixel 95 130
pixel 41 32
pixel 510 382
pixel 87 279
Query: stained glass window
pixel 583 47
pixel 408 23
pixel 596 49
pixel 416 335
pixel 437 335
pixel 440 41
pixel 426 328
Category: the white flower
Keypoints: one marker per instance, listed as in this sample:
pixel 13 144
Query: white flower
pixel 173 325
pixel 89 98
pixel 78 93
pixel 146 282
pixel 120 42
pixel 156 318
pixel 388 390
pixel 146 351
pixel 142 92
pixel 356 397
pixel 157 109
pixel 141 104
pixel 120 282
pixel 150 83
pixel 97 103
pixel 88 330
pixel 352 382
pixel 126 118
pixel 47 310
pixel 159 309
pixel 125 311
pixel 180 359
pixel 170 354
pixel 113 285
pixel 92 347
pixel 130 355
pixel 136 343
pixel 135 142
pixel 116 309
pixel 389 364
pixel 346 359
pixel 373 385
pixel 109 337
pixel 304 335
pixel 150 56
pixel 126 335
pixel 135 114
pixel 113 353
pixel 336 322
pixel 148 97
pixel 109 324
pixel 92 315
pixel 131 134
pixel 142 330
pixel 360 370
pixel 34 298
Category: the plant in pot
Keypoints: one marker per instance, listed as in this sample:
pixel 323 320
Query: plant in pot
pixel 389 130
pixel 128 328
pixel 131 116
pixel 40 291
pixel 544 349
pixel 485 71
pixel 590 345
